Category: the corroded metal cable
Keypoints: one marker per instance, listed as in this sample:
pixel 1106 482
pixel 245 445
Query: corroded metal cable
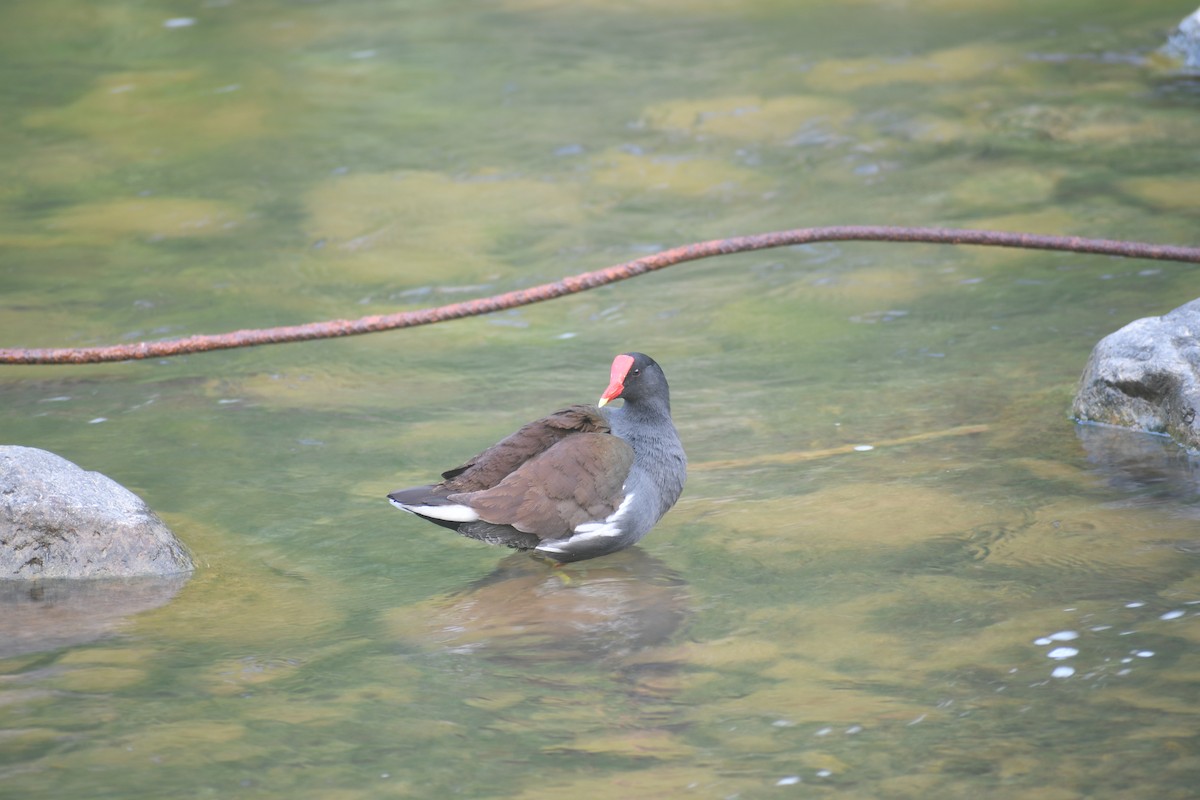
pixel 591 280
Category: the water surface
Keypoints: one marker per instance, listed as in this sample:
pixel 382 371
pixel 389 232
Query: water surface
pixel 991 600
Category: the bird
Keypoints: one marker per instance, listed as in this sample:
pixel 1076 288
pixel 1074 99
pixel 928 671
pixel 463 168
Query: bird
pixel 581 483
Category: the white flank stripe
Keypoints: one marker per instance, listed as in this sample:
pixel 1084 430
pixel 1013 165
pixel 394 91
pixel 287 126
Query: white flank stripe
pixel 608 527
pixel 455 513
pixel 588 531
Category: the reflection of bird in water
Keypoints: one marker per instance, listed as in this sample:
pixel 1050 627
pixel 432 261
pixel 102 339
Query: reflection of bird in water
pixel 530 612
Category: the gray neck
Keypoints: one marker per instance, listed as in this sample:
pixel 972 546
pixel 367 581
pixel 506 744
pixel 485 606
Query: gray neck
pixel 659 462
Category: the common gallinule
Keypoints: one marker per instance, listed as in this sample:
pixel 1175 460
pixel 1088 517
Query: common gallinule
pixel 583 482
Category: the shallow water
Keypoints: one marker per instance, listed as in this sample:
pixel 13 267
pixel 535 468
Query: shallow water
pixel 991 600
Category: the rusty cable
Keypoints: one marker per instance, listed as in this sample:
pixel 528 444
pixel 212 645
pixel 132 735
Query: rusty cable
pixel 590 280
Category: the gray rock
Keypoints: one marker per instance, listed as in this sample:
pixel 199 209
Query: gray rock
pixel 1184 44
pixel 1146 376
pixel 60 521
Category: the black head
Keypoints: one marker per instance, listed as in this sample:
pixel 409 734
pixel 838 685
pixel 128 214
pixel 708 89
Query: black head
pixel 637 379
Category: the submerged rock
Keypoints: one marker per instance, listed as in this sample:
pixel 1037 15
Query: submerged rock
pixel 1146 376
pixel 60 521
pixel 1138 463
pixel 36 616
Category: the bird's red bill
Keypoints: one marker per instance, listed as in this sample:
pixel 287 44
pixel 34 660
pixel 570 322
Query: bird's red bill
pixel 616 379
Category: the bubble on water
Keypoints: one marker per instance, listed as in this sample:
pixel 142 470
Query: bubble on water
pixel 1135 604
pixel 823 732
pixel 1060 653
pixel 1064 636
pixel 1144 654
pixel 97 419
pixel 1043 641
pixel 783 723
pixel 790 780
pixel 1176 614
pixel 853 729
pixel 179 22
pixel 824 773
pixel 863 448
pixel 1063 672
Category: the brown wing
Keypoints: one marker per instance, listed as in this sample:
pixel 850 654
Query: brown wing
pixel 503 458
pixel 578 480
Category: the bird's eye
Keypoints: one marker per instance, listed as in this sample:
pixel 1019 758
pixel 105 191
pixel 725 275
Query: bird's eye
pixel 635 373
